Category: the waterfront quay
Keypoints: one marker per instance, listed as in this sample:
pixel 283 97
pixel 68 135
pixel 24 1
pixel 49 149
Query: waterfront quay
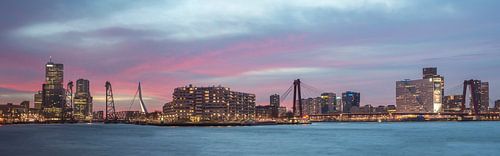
pixel 337 117
pixel 402 117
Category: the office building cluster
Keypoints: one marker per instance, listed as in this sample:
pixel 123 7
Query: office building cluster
pixel 272 111
pixel 427 95
pixel 55 102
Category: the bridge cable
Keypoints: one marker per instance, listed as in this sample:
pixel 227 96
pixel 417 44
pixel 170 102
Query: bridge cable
pixel 133 100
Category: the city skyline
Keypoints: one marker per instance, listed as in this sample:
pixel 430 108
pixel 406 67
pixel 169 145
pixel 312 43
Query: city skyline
pixel 254 48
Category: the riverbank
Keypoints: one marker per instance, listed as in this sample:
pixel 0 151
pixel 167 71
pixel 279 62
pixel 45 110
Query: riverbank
pixel 213 124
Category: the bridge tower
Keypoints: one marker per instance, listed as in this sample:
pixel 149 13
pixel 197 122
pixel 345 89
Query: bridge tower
pixel 110 104
pixel 143 106
pixel 297 97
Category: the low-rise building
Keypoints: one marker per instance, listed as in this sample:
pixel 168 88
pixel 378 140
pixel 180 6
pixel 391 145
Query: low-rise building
pixel 264 112
pixel 10 110
pixel 380 109
pixel 367 109
pixel 453 103
pixel 391 108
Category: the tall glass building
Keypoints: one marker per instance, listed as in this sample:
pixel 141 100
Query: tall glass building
pixel 82 100
pixel 53 92
pixel 351 101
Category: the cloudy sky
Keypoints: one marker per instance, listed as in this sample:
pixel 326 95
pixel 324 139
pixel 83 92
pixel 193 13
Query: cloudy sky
pixel 249 46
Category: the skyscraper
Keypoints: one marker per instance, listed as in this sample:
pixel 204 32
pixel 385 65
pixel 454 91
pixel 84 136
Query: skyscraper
pixel 422 95
pixel 328 103
pixel 485 96
pixel 53 92
pixel 38 99
pixel 350 101
pixel 311 106
pixel 274 102
pixel 82 100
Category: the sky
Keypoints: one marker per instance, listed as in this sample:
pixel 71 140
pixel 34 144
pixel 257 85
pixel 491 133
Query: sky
pixel 256 46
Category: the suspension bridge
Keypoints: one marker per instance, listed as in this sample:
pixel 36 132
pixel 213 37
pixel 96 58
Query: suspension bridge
pixel 113 116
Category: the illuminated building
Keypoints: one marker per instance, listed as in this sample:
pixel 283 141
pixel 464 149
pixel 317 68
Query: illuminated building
pixel 328 103
pixel 264 112
pixel 311 106
pixel 391 109
pixel 274 102
pixel 452 103
pixel 350 101
pixel 10 110
pixel 484 92
pixel 421 96
pixel 53 92
pixel 194 104
pixel 380 109
pixel 38 99
pixel 82 100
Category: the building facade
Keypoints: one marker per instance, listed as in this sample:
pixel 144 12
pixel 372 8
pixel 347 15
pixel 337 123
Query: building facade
pixel 274 102
pixel 453 103
pixel 82 100
pixel 484 92
pixel 497 105
pixel 195 104
pixel 422 95
pixel 350 101
pixel 53 92
pixel 311 106
pixel 38 100
pixel 264 112
pixel 328 103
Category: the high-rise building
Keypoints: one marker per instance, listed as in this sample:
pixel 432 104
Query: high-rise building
pixel 53 92
pixel 328 103
pixel 82 100
pixel 477 93
pixel 38 99
pixel 274 102
pixel 351 101
pixel 311 106
pixel 421 96
pixel 485 96
pixel 340 104
pixel 497 105
pixel 196 104
pixel 452 103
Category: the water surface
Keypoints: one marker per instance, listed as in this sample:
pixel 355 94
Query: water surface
pixel 411 138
